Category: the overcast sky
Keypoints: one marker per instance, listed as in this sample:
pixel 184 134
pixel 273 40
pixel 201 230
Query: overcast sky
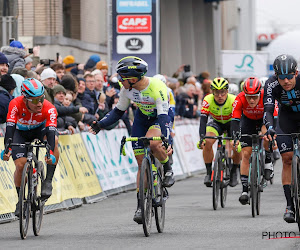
pixel 277 15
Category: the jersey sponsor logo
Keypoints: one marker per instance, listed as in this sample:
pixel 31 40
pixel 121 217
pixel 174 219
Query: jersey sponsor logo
pixel 52 115
pixel 205 104
pixel 271 86
pixel 134 24
pixel 13 112
pixel 162 95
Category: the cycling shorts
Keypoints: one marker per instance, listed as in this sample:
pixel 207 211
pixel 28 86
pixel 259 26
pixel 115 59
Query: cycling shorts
pixel 218 128
pixel 21 136
pixel 249 126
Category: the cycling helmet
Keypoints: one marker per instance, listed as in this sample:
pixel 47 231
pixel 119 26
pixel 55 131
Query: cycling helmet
pixel 161 77
pixel 252 86
pixel 233 89
pixel 219 83
pixel 284 64
pixel 263 81
pixel 32 87
pixel 242 86
pixel 132 66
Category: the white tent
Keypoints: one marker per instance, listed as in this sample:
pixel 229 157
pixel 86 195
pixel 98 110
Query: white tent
pixel 288 43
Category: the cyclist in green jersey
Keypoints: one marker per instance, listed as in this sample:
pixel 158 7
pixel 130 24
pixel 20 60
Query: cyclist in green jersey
pixel 219 106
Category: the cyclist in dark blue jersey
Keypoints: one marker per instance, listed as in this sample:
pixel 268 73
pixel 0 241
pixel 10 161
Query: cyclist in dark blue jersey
pixel 284 87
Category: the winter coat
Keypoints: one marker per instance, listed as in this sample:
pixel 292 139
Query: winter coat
pixel 15 57
pixel 5 99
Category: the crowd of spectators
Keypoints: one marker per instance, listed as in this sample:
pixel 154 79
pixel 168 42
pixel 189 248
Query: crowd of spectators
pixel 84 92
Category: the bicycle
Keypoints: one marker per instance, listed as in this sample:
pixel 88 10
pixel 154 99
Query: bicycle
pixel 256 181
pixel 152 194
pixel 220 175
pixel 33 175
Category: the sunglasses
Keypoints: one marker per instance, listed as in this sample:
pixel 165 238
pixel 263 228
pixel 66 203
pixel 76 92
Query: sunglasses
pixel 120 78
pixel 288 76
pixel 254 97
pixel 36 101
pixel 221 92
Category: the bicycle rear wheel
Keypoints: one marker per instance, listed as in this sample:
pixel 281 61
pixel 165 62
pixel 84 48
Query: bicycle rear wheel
pixel 295 187
pixel 145 193
pixel 216 181
pixel 160 202
pixel 38 204
pixel 25 200
pixel 226 177
pixel 253 186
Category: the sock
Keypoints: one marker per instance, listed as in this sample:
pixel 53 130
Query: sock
pixel 288 196
pixel 50 171
pixel 167 165
pixel 18 190
pixel 208 168
pixel 244 180
pixel 268 157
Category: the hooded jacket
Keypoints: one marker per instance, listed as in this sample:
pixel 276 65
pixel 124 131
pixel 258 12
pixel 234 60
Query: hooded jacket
pixel 5 99
pixel 15 57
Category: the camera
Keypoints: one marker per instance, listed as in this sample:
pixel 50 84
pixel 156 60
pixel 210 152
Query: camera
pixel 46 62
pixel 187 68
pixel 30 50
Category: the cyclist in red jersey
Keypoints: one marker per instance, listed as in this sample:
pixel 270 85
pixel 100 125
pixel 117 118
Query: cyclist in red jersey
pixel 31 117
pixel 248 109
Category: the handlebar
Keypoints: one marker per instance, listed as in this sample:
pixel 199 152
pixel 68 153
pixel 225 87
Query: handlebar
pixel 37 144
pixel 219 138
pixel 145 140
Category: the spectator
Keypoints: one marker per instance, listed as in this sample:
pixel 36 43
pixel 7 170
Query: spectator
pixel 48 78
pixel 69 62
pixel 59 70
pixel 202 76
pixel 33 74
pixel 91 62
pixel 99 81
pixel 18 79
pixel 28 63
pixel 3 64
pixel 20 71
pixel 103 66
pixel 90 101
pixel 186 103
pixel 15 54
pixel 206 87
pixel 7 86
pixel 69 83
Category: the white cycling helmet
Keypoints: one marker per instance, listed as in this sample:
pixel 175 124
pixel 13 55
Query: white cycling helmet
pixel 161 77
pixel 263 81
pixel 233 89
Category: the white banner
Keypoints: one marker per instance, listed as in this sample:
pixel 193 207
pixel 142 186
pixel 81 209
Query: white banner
pixel 112 169
pixel 242 64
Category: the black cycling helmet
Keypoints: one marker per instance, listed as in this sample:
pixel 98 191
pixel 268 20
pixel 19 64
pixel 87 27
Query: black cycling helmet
pixel 284 64
pixel 132 66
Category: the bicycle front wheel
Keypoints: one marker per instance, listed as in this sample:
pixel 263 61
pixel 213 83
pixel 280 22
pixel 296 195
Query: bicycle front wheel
pixel 38 204
pixel 295 187
pixel 145 193
pixel 225 178
pixel 25 200
pixel 160 202
pixel 253 184
pixel 216 181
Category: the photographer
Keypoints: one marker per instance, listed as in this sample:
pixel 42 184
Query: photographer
pixel 185 102
pixel 183 73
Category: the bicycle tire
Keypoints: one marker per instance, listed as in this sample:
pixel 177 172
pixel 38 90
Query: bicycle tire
pixel 25 200
pixel 223 191
pixel 260 184
pixel 145 193
pixel 160 200
pixel 253 185
pixel 216 181
pixel 295 187
pixel 38 210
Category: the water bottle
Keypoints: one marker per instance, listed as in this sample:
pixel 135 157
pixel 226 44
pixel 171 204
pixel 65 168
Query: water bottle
pixel 34 177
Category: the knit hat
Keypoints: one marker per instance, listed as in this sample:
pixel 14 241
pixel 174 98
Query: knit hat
pixel 95 58
pixel 48 73
pixel 91 63
pixel 59 88
pixel 8 82
pixel 3 59
pixel 28 60
pixel 16 44
pixel 69 60
pixel 101 65
pixel 20 71
pixel 68 82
